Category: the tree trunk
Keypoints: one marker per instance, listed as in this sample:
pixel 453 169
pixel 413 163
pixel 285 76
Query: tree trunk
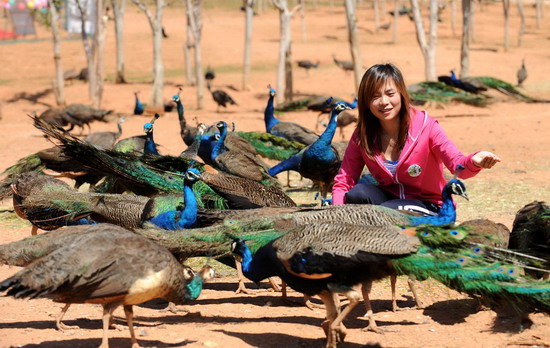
pixel 289 92
pixel 58 82
pixel 285 55
pixel 118 10
pixel 465 48
pixel 197 32
pixel 472 21
pixel 155 22
pixel 453 17
pixel 98 53
pixel 539 6
pixel 506 9
pixel 195 26
pixel 522 22
pixel 354 42
pixel 92 76
pixel 397 4
pixel 427 49
pixel 303 19
pixel 249 17
pixel 188 46
pixel 376 10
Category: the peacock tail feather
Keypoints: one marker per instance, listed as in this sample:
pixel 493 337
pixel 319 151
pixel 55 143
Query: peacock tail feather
pixel 508 89
pixel 23 165
pixel 293 105
pixel 440 92
pixel 272 146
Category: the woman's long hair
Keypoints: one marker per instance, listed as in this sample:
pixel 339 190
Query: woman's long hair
pixel 368 125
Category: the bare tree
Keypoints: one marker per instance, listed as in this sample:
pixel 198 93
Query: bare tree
pixel 522 22
pixel 284 70
pixel 465 47
pixel 376 10
pixel 249 16
pixel 303 19
pixel 397 5
pixel 98 53
pixel 188 46
pixel 194 12
pixel 118 11
pixel 506 9
pixel 58 81
pixel 472 20
pixel 540 7
pixel 354 41
pixel 428 48
pixel 158 67
pixel 453 17
pixel 88 50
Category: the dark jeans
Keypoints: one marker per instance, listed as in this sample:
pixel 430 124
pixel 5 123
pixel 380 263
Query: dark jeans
pixel 371 194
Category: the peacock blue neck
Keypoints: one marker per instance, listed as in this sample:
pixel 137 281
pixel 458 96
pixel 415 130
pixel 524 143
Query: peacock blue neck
pixel 269 115
pixel 150 147
pixel 218 148
pixel 446 215
pixel 320 149
pixel 176 219
pixel 194 288
pixel 179 108
pixel 291 163
pixel 138 109
pixel 254 267
pixel 453 76
pixel 353 104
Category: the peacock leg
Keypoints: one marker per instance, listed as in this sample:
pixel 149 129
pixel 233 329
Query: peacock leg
pixel 130 320
pixel 311 305
pixel 241 288
pixel 332 312
pixel 274 285
pixel 107 315
pixel 171 307
pixel 34 230
pixel 365 289
pixel 411 281
pixel 59 325
pixel 393 282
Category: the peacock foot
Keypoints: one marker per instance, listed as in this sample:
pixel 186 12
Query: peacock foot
pixel 62 327
pixel 241 289
pixel 313 306
pixel 339 332
pixel 174 309
pixel 117 327
pixel 376 329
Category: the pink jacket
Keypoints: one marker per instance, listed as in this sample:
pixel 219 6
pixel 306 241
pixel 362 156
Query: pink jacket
pixel 419 173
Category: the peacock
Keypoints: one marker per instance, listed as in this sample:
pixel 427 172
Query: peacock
pixel 506 88
pixel 144 175
pixel 144 109
pixel 272 146
pixel 107 268
pixel 82 115
pixel 220 97
pixel 288 130
pixel 51 206
pixel 522 73
pixel 150 148
pixel 106 140
pixel 440 92
pixel 307 64
pixel 531 229
pixel 187 132
pixel 465 85
pixel 320 162
pixel 325 259
pixel 239 163
pixel 345 65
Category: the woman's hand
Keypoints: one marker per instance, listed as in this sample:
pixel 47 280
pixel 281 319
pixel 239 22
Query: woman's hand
pixel 485 159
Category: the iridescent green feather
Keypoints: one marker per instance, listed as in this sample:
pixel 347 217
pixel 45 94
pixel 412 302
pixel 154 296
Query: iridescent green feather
pixel 272 146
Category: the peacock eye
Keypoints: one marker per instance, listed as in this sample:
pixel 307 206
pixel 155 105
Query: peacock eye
pixel 426 233
pixel 461 260
pixel 454 232
pixel 477 249
pixel 501 269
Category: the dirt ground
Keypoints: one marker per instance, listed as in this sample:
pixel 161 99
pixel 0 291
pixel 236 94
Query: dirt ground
pixel 518 132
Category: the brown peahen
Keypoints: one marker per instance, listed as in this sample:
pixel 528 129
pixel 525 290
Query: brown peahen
pixel 106 140
pixel 325 259
pixel 107 268
pixel 82 115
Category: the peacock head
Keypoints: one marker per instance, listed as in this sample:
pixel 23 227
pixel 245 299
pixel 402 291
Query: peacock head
pixel 457 187
pixel 340 106
pixel 238 248
pixel 272 91
pixel 188 273
pixel 176 98
pixel 148 127
pixel 192 174
pixel 201 128
pixel 221 126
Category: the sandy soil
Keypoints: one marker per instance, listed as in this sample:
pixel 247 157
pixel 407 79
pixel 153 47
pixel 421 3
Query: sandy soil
pixel 518 132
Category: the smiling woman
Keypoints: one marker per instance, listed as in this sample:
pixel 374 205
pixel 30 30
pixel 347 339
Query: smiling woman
pixel 403 148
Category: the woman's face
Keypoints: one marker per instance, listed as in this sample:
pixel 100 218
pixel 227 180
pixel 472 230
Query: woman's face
pixel 386 102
